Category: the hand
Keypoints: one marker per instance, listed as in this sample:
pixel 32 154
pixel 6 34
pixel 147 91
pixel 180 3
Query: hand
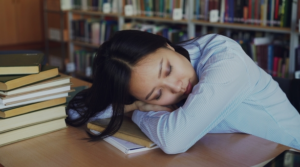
pixel 142 106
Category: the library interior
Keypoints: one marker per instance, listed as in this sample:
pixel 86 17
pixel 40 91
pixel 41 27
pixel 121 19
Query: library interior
pixel 47 52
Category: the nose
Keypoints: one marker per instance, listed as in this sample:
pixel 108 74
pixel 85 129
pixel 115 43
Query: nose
pixel 173 84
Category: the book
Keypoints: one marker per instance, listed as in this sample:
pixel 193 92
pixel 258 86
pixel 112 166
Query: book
pixel 126 146
pixel 54 96
pixel 35 98
pixel 76 90
pixel 16 64
pixel 34 94
pixel 128 131
pixel 9 82
pixel 18 110
pixel 31 131
pixel 59 80
pixel 32 118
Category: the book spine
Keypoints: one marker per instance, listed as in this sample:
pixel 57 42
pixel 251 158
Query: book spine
pixel 270 59
pixel 275 66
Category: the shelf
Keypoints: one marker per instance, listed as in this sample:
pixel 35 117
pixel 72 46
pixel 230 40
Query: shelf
pixel 183 21
pixel 243 26
pixel 88 12
pixel 54 40
pixel 96 46
pixel 56 11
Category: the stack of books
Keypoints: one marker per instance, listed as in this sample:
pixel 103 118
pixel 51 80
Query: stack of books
pixel 128 139
pixel 32 97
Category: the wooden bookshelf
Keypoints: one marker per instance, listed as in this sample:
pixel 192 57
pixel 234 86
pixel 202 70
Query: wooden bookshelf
pixel 80 43
pixel 157 19
pixel 96 13
pixel 192 24
pixel 244 26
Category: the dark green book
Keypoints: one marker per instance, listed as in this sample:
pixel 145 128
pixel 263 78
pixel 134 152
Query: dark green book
pixel 16 64
pixel 9 82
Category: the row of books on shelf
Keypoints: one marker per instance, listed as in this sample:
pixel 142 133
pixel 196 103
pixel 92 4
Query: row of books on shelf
pixel 96 31
pixel 83 60
pixel 272 57
pixel 175 33
pixel 257 12
pixel 32 97
pixel 93 30
pixel 149 8
pixel 175 9
pixel 107 6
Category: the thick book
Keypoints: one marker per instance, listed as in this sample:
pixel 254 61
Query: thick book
pixel 32 118
pixel 59 80
pixel 50 97
pixel 18 110
pixel 126 146
pixel 34 94
pixel 16 64
pixel 9 82
pixel 128 131
pixel 31 131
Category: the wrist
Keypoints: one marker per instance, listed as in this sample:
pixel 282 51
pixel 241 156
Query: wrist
pixel 130 107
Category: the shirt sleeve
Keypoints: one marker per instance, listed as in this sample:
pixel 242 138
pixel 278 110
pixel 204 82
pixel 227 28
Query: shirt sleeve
pixel 223 85
pixel 107 113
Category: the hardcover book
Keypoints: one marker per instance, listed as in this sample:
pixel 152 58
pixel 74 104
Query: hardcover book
pixel 128 131
pixel 59 80
pixel 49 97
pixel 16 64
pixel 126 146
pixel 18 110
pixel 32 118
pixel 31 131
pixel 35 94
pixel 9 82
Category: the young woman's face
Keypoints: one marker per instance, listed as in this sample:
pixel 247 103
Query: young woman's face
pixel 164 77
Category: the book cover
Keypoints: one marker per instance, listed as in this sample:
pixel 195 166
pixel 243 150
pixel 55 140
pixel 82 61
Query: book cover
pixel 49 97
pixel 270 58
pixel 18 110
pixel 35 94
pixel 59 80
pixel 128 131
pixel 31 131
pixel 16 64
pixel 32 118
pixel 126 146
pixel 275 66
pixel 9 82
pixel 297 59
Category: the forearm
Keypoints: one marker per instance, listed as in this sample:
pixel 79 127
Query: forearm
pixel 130 107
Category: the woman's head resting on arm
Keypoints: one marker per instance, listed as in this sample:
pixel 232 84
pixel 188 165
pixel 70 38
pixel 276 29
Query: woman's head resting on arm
pixel 163 77
pixel 134 65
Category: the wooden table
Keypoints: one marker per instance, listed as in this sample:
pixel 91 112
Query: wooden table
pixel 65 148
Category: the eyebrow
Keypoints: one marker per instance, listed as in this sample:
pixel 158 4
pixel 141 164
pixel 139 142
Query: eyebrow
pixel 159 74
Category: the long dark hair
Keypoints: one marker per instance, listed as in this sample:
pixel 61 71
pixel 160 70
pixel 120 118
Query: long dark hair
pixel 111 74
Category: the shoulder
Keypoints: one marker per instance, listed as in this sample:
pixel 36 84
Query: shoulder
pixel 200 45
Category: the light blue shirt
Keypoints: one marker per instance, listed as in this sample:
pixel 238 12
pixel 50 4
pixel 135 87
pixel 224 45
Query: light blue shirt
pixel 233 95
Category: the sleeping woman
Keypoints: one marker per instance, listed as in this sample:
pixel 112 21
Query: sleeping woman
pixel 179 93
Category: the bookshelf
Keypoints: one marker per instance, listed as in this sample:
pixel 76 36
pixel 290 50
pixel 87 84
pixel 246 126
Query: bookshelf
pixel 189 21
pixel 56 33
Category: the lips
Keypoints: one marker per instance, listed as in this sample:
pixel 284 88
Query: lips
pixel 188 89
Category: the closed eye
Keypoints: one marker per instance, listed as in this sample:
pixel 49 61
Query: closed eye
pixel 170 70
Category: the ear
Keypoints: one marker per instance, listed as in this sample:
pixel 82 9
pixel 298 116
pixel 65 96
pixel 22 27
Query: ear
pixel 170 47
